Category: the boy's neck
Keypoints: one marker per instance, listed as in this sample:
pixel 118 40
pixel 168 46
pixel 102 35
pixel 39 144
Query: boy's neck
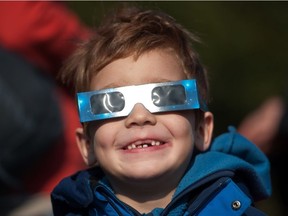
pixel 144 201
pixel 146 195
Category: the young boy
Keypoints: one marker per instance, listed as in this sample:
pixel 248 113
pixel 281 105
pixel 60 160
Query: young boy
pixel 147 131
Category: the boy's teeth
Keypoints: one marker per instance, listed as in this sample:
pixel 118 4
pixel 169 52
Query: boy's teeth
pixel 144 145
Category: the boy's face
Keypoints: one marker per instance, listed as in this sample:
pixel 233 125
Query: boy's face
pixel 144 146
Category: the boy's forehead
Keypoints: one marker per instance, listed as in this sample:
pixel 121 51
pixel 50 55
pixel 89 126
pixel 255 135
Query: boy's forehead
pixel 152 67
pixel 123 83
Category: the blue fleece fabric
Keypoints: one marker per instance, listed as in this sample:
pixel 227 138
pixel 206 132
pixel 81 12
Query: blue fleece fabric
pixel 232 151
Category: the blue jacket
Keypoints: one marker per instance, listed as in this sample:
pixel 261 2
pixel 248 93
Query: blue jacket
pixel 226 180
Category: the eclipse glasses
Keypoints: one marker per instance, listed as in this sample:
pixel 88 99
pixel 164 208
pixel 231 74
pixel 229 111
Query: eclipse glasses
pixel 156 97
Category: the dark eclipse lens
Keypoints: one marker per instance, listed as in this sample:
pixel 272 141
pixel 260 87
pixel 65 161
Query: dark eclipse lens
pixel 107 103
pixel 168 95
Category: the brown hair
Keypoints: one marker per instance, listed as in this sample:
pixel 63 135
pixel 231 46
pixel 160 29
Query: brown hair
pixel 133 31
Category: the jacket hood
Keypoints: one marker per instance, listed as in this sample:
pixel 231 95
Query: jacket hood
pixel 232 152
pixel 75 190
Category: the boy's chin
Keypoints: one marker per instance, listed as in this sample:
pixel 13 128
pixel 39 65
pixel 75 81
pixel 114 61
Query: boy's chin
pixel 147 176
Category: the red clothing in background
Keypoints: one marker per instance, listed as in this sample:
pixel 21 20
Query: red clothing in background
pixel 45 33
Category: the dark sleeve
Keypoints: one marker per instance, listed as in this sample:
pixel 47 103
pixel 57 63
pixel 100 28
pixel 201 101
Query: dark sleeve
pixel 30 118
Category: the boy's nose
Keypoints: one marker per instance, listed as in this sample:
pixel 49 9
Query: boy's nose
pixel 140 116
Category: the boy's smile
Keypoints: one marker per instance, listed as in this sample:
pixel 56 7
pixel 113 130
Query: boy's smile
pixel 143 144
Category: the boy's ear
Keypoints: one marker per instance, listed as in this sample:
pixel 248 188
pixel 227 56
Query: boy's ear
pixel 204 132
pixel 86 147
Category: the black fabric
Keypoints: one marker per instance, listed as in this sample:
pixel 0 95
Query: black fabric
pixel 30 118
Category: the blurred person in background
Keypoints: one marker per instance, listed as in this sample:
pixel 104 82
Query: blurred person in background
pixel 267 127
pixel 38 115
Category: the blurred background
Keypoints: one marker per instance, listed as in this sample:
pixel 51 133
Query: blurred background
pixel 243 47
